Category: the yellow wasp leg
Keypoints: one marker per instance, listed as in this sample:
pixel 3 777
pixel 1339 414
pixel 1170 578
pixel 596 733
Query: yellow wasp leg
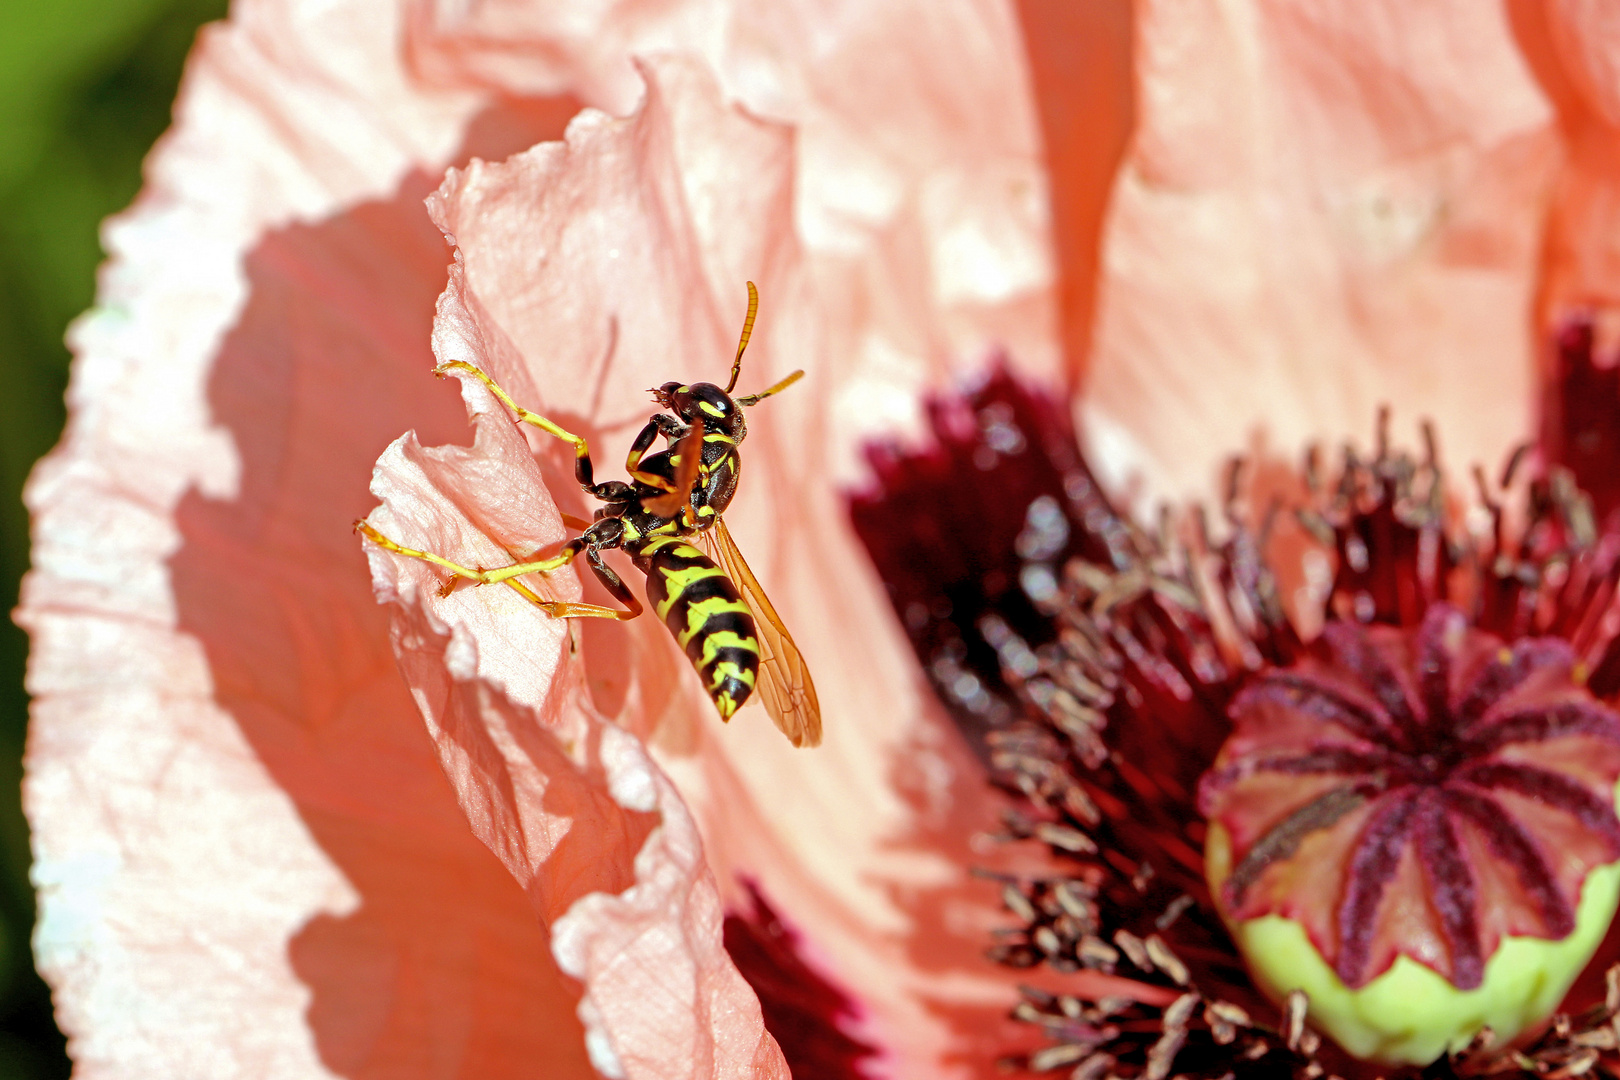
pixel 582 450
pixel 505 575
pixel 477 575
pixel 632 465
pixel 687 456
pixel 689 463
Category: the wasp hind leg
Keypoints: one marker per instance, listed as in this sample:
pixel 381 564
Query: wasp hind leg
pixel 612 582
pixel 570 609
pixel 508 575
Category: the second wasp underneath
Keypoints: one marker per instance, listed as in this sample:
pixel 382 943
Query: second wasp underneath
pixel 668 519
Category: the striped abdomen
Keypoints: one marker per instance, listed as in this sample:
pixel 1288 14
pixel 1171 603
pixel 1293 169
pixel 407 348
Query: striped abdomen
pixel 708 617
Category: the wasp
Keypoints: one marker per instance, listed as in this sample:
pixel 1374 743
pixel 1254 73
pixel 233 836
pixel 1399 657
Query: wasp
pixel 669 519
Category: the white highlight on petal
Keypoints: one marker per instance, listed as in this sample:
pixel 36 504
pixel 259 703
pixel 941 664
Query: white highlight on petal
pixel 599 1045
pixel 632 780
pixel 989 231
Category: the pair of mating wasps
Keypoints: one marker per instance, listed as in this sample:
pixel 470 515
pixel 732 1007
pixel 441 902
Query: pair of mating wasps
pixel 705 593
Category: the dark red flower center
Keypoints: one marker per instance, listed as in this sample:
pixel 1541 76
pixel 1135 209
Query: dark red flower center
pixel 805 1013
pixel 1425 723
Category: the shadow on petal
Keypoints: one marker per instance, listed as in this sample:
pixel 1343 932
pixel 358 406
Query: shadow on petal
pixel 441 969
pixel 1080 59
pixel 952 921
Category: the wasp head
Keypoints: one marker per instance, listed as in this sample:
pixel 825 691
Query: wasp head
pixel 706 402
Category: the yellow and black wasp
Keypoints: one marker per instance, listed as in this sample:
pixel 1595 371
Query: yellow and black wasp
pixel 668 519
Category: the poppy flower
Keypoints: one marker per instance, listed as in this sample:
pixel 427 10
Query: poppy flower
pixel 1292 766
pixel 253 854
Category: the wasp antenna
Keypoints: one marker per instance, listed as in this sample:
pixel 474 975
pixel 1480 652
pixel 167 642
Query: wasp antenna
pixel 755 399
pixel 748 332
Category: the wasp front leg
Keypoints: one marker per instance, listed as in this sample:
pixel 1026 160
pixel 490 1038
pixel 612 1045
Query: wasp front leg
pixel 678 468
pixel 584 472
pixel 671 429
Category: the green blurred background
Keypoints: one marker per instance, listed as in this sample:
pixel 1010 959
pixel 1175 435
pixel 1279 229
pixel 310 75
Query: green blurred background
pixel 85 88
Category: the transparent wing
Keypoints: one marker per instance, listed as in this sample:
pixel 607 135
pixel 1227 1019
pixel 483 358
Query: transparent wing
pixel 784 679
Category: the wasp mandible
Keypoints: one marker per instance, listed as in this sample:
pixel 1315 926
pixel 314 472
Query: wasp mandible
pixel 669 519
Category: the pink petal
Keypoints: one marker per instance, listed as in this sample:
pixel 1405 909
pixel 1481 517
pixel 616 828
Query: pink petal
pixel 250 863
pixel 1320 214
pixel 919 192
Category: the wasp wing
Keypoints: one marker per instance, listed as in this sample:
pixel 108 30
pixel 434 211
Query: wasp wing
pixel 784 678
